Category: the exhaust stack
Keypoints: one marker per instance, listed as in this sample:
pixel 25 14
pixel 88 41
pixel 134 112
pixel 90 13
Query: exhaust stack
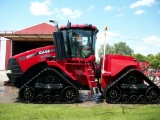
pixel 56 25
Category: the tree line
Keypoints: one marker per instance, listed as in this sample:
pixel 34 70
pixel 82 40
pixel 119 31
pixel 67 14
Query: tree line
pixel 123 49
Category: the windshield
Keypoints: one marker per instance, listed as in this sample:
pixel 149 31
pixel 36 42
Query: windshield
pixel 81 42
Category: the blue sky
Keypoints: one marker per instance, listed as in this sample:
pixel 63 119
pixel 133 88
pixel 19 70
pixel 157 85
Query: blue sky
pixel 136 22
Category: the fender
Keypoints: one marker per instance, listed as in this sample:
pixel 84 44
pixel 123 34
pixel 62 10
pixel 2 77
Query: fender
pixel 56 64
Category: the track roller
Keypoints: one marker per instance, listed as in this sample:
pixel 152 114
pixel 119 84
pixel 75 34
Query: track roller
pixel 40 98
pixel 48 98
pixel 142 98
pixel 133 98
pixel 57 98
pixel 125 98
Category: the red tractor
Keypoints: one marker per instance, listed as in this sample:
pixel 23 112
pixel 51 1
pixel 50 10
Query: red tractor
pixel 56 73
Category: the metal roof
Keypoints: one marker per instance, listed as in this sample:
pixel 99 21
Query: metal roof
pixel 40 32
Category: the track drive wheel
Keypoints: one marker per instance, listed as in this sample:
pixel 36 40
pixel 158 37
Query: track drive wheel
pixel 70 94
pixel 113 95
pixel 152 95
pixel 48 77
pixel 27 94
pixel 133 78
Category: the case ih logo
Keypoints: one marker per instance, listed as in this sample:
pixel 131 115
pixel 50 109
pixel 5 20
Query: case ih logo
pixel 46 51
pixel 37 53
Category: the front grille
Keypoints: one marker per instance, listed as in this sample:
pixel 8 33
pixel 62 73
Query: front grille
pixel 13 65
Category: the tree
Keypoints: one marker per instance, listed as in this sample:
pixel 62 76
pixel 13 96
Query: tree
pixel 155 63
pixel 140 57
pixel 122 48
pixel 154 60
pixel 117 48
pixel 157 56
pixel 108 50
pixel 150 57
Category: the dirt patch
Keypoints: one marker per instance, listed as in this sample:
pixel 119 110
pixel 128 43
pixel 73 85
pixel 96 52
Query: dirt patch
pixel 8 94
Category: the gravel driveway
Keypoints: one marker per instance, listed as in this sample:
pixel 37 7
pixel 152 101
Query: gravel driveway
pixel 8 94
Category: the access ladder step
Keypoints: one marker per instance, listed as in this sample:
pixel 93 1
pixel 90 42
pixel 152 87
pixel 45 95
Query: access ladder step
pixel 92 81
pixel 91 75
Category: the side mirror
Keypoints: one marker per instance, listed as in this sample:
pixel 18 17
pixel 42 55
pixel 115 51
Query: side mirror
pixel 96 31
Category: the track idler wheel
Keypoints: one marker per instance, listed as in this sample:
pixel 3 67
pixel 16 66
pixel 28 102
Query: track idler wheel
pixel 69 94
pixel 48 98
pixel 113 95
pixel 152 95
pixel 27 94
pixel 40 98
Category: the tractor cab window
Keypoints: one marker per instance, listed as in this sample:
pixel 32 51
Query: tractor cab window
pixel 81 43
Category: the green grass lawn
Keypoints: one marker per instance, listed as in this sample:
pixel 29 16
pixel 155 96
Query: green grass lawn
pixel 78 112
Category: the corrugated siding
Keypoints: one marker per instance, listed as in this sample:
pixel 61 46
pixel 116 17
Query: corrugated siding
pixel 42 28
pixel 2 54
pixel 5 53
pixel 8 51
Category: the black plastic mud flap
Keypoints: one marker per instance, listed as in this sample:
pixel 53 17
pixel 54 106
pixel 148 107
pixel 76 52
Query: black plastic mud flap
pixel 59 45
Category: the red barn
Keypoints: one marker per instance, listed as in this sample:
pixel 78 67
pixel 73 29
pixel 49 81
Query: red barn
pixel 12 43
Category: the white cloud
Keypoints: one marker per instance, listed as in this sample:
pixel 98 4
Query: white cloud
pixel 142 3
pixel 154 40
pixel 90 8
pixel 120 15
pixel 67 13
pixel 40 8
pixel 101 37
pixel 139 12
pixel 141 49
pixel 113 34
pixel 108 8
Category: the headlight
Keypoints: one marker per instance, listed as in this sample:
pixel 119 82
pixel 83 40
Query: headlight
pixel 9 71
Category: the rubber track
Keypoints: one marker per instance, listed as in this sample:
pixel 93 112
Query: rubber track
pixel 33 78
pixel 126 73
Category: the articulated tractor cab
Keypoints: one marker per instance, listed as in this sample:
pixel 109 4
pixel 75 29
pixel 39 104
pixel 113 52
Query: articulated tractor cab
pixel 70 70
pixel 55 74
